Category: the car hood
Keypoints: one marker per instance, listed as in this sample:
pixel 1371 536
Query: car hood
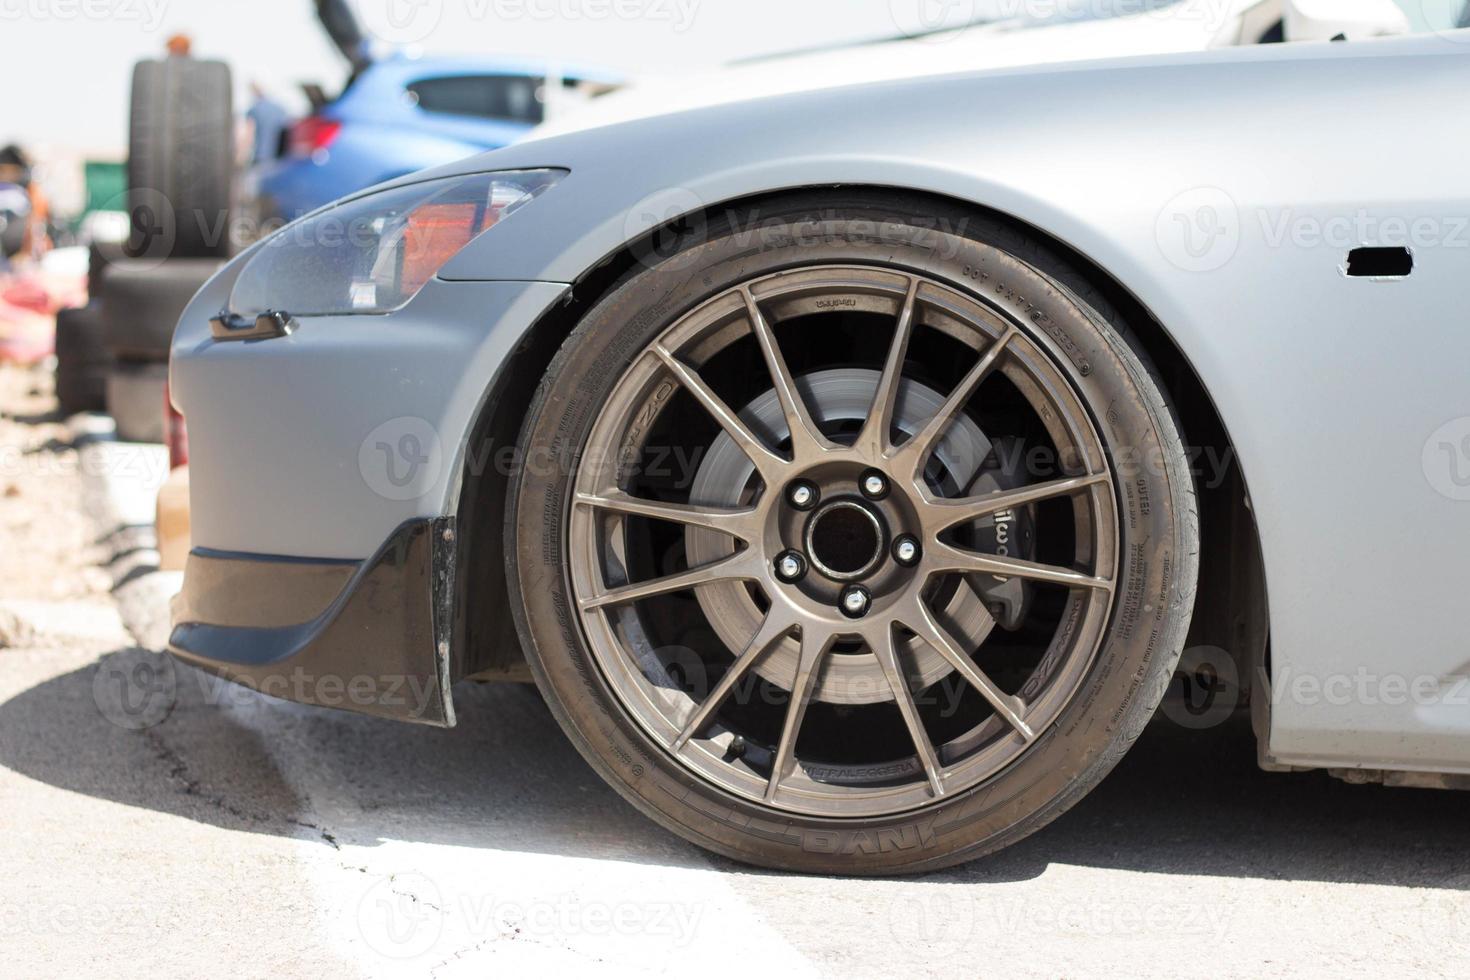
pixel 1190 25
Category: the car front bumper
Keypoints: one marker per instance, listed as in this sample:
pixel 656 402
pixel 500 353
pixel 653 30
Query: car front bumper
pixel 325 471
pixel 372 636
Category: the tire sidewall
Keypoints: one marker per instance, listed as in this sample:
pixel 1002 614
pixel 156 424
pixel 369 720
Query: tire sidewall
pixel 1146 627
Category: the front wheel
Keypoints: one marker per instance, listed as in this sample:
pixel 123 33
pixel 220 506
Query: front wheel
pixel 850 545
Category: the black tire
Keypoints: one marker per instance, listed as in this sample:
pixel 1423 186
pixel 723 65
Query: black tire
pixel 181 158
pixel 101 255
pixel 142 301
pixel 1158 532
pixel 82 361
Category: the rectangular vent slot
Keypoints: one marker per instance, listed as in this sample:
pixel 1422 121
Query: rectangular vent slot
pixel 1380 263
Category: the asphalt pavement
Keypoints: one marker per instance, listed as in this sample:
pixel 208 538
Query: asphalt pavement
pixel 206 827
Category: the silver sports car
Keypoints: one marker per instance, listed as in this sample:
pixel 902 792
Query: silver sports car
pixel 850 469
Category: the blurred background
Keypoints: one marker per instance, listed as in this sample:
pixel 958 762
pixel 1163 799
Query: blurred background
pixel 69 66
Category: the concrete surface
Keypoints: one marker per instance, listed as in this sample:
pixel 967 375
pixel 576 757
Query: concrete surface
pixel 201 827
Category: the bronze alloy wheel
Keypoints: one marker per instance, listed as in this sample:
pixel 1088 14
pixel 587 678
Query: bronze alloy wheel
pixel 840 542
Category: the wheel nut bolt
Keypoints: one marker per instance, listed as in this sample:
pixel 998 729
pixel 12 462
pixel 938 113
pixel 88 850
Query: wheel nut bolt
pixel 802 495
pixel 874 485
pixel 790 566
pixel 855 601
pixel 906 550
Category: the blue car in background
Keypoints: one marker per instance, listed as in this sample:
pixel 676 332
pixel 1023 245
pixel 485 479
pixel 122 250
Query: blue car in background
pixel 397 115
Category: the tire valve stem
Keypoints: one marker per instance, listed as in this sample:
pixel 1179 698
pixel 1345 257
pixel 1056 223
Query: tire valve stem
pixel 737 748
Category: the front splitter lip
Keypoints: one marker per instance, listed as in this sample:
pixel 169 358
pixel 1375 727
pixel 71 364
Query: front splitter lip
pixel 380 646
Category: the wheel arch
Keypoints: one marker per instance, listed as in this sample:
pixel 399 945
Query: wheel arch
pixel 1231 604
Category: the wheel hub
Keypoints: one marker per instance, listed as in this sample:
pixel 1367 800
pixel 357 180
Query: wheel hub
pixel 839 400
pixel 845 540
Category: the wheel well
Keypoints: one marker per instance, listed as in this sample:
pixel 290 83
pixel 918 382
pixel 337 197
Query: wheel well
pixel 1230 608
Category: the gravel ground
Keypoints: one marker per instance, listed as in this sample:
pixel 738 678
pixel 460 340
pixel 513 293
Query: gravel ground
pixel 208 827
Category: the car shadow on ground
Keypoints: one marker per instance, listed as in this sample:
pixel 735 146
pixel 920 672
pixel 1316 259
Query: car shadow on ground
pixel 1181 802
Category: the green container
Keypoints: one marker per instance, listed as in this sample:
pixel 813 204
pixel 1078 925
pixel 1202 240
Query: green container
pixel 106 185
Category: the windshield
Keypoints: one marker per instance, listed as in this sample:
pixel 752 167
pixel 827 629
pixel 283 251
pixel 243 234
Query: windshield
pixel 1435 15
pixel 1031 13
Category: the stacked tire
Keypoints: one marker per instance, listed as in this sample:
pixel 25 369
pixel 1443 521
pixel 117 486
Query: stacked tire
pixel 83 362
pixel 141 302
pixel 180 179
pixel 181 159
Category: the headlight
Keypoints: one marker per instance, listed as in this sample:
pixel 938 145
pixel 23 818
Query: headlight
pixel 374 254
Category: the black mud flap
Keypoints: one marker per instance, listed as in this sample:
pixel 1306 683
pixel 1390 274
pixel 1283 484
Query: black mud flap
pixel 372 636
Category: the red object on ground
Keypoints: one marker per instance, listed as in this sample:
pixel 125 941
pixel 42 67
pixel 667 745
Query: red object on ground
pixel 28 295
pixel 26 337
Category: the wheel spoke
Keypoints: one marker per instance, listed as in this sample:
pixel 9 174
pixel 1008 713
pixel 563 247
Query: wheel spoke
pixel 736 521
pixel 946 512
pixel 915 452
pixel 806 437
pixel 771 631
pixel 740 566
pixel 874 438
pixel 813 647
pixel 946 558
pixel 886 650
pixel 764 459
pixel 918 618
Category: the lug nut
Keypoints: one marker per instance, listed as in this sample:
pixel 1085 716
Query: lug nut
pixel 802 495
pixel 906 550
pixel 790 566
pixel 855 601
pixel 874 485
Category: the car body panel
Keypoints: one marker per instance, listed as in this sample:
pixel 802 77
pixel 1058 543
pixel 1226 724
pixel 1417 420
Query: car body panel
pixel 1196 182
pixel 285 435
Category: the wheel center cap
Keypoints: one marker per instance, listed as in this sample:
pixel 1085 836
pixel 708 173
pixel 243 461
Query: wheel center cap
pixel 844 540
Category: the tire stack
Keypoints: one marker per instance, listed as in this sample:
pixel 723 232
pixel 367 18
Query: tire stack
pixel 180 174
pixel 140 303
pixel 83 362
